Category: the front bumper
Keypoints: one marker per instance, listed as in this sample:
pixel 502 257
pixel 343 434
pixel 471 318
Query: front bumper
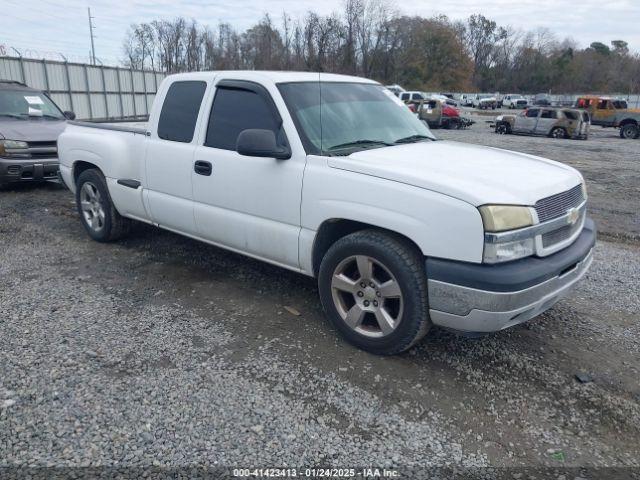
pixel 487 298
pixel 28 170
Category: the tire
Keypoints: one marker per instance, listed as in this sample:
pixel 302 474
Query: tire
pixel 99 217
pixel 503 129
pixel 629 131
pixel 558 132
pixel 395 289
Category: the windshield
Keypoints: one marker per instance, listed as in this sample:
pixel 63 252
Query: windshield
pixel 27 104
pixel 338 118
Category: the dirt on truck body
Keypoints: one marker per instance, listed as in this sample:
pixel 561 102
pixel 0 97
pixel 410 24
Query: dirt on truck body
pixel 611 112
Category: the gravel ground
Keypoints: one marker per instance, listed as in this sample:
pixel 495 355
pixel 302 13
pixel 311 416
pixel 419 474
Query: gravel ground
pixel 162 351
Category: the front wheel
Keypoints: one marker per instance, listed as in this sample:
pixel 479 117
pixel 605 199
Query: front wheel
pixel 373 287
pixel 629 131
pixel 503 129
pixel 100 218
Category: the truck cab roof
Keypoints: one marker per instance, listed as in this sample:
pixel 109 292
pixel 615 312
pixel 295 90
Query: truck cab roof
pixel 271 76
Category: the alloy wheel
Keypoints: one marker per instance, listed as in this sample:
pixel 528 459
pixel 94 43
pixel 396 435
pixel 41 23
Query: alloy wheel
pixel 91 206
pixel 367 296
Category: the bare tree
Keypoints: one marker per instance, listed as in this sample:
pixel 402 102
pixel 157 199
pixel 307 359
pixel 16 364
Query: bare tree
pixel 370 38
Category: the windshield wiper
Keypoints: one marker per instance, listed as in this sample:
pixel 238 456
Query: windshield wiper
pixel 10 115
pixel 360 142
pixel 412 138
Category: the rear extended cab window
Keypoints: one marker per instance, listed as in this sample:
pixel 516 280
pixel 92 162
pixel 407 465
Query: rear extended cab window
pixel 180 111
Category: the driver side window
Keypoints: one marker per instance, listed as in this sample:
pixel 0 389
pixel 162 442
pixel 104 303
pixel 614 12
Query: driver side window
pixel 532 113
pixel 235 110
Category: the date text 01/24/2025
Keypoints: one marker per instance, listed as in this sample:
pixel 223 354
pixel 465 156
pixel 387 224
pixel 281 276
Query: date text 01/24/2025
pixel 314 473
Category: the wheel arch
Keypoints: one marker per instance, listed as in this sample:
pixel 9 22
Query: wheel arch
pixel 628 120
pixel 334 229
pixel 80 166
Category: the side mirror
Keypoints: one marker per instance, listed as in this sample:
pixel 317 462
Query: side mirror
pixel 69 115
pixel 256 142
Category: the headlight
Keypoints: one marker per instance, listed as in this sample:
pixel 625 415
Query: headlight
pixel 14 149
pixel 498 218
pixel 583 185
pixel 503 218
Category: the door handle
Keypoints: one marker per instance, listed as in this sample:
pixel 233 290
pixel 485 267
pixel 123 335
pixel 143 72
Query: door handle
pixel 202 168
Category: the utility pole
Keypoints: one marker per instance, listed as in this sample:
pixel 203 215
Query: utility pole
pixel 91 27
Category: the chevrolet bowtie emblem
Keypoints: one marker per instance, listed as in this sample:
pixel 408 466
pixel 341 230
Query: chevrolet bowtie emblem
pixel 573 215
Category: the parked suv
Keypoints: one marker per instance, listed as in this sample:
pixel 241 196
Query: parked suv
pixel 612 112
pixel 30 123
pixel 552 122
pixel 413 96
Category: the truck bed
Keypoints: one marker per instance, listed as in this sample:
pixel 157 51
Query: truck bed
pixel 110 126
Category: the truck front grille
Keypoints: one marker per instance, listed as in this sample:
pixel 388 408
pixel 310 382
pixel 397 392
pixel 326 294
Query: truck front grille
pixel 43 149
pixel 563 233
pixel 557 205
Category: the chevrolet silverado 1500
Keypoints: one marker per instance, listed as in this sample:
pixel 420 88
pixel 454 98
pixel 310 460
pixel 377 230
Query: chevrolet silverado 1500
pixel 333 177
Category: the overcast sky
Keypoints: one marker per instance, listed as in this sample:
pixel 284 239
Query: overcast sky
pixel 62 26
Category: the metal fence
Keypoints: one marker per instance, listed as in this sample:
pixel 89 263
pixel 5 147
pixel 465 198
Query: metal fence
pixel 93 92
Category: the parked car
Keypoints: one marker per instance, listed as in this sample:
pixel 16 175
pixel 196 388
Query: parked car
pixel 438 114
pixel 413 96
pixel 484 101
pixel 402 231
pixel 612 112
pixel 514 101
pixel 444 99
pixel 542 100
pixel 30 123
pixel 396 89
pixel 552 122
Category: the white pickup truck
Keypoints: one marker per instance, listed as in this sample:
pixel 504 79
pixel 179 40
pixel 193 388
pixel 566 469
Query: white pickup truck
pixel 333 177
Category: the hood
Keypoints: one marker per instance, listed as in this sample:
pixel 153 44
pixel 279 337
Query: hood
pixel 31 130
pixel 476 174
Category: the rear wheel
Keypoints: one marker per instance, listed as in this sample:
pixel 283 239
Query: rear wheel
pixel 373 288
pixel 558 132
pixel 101 220
pixel 629 131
